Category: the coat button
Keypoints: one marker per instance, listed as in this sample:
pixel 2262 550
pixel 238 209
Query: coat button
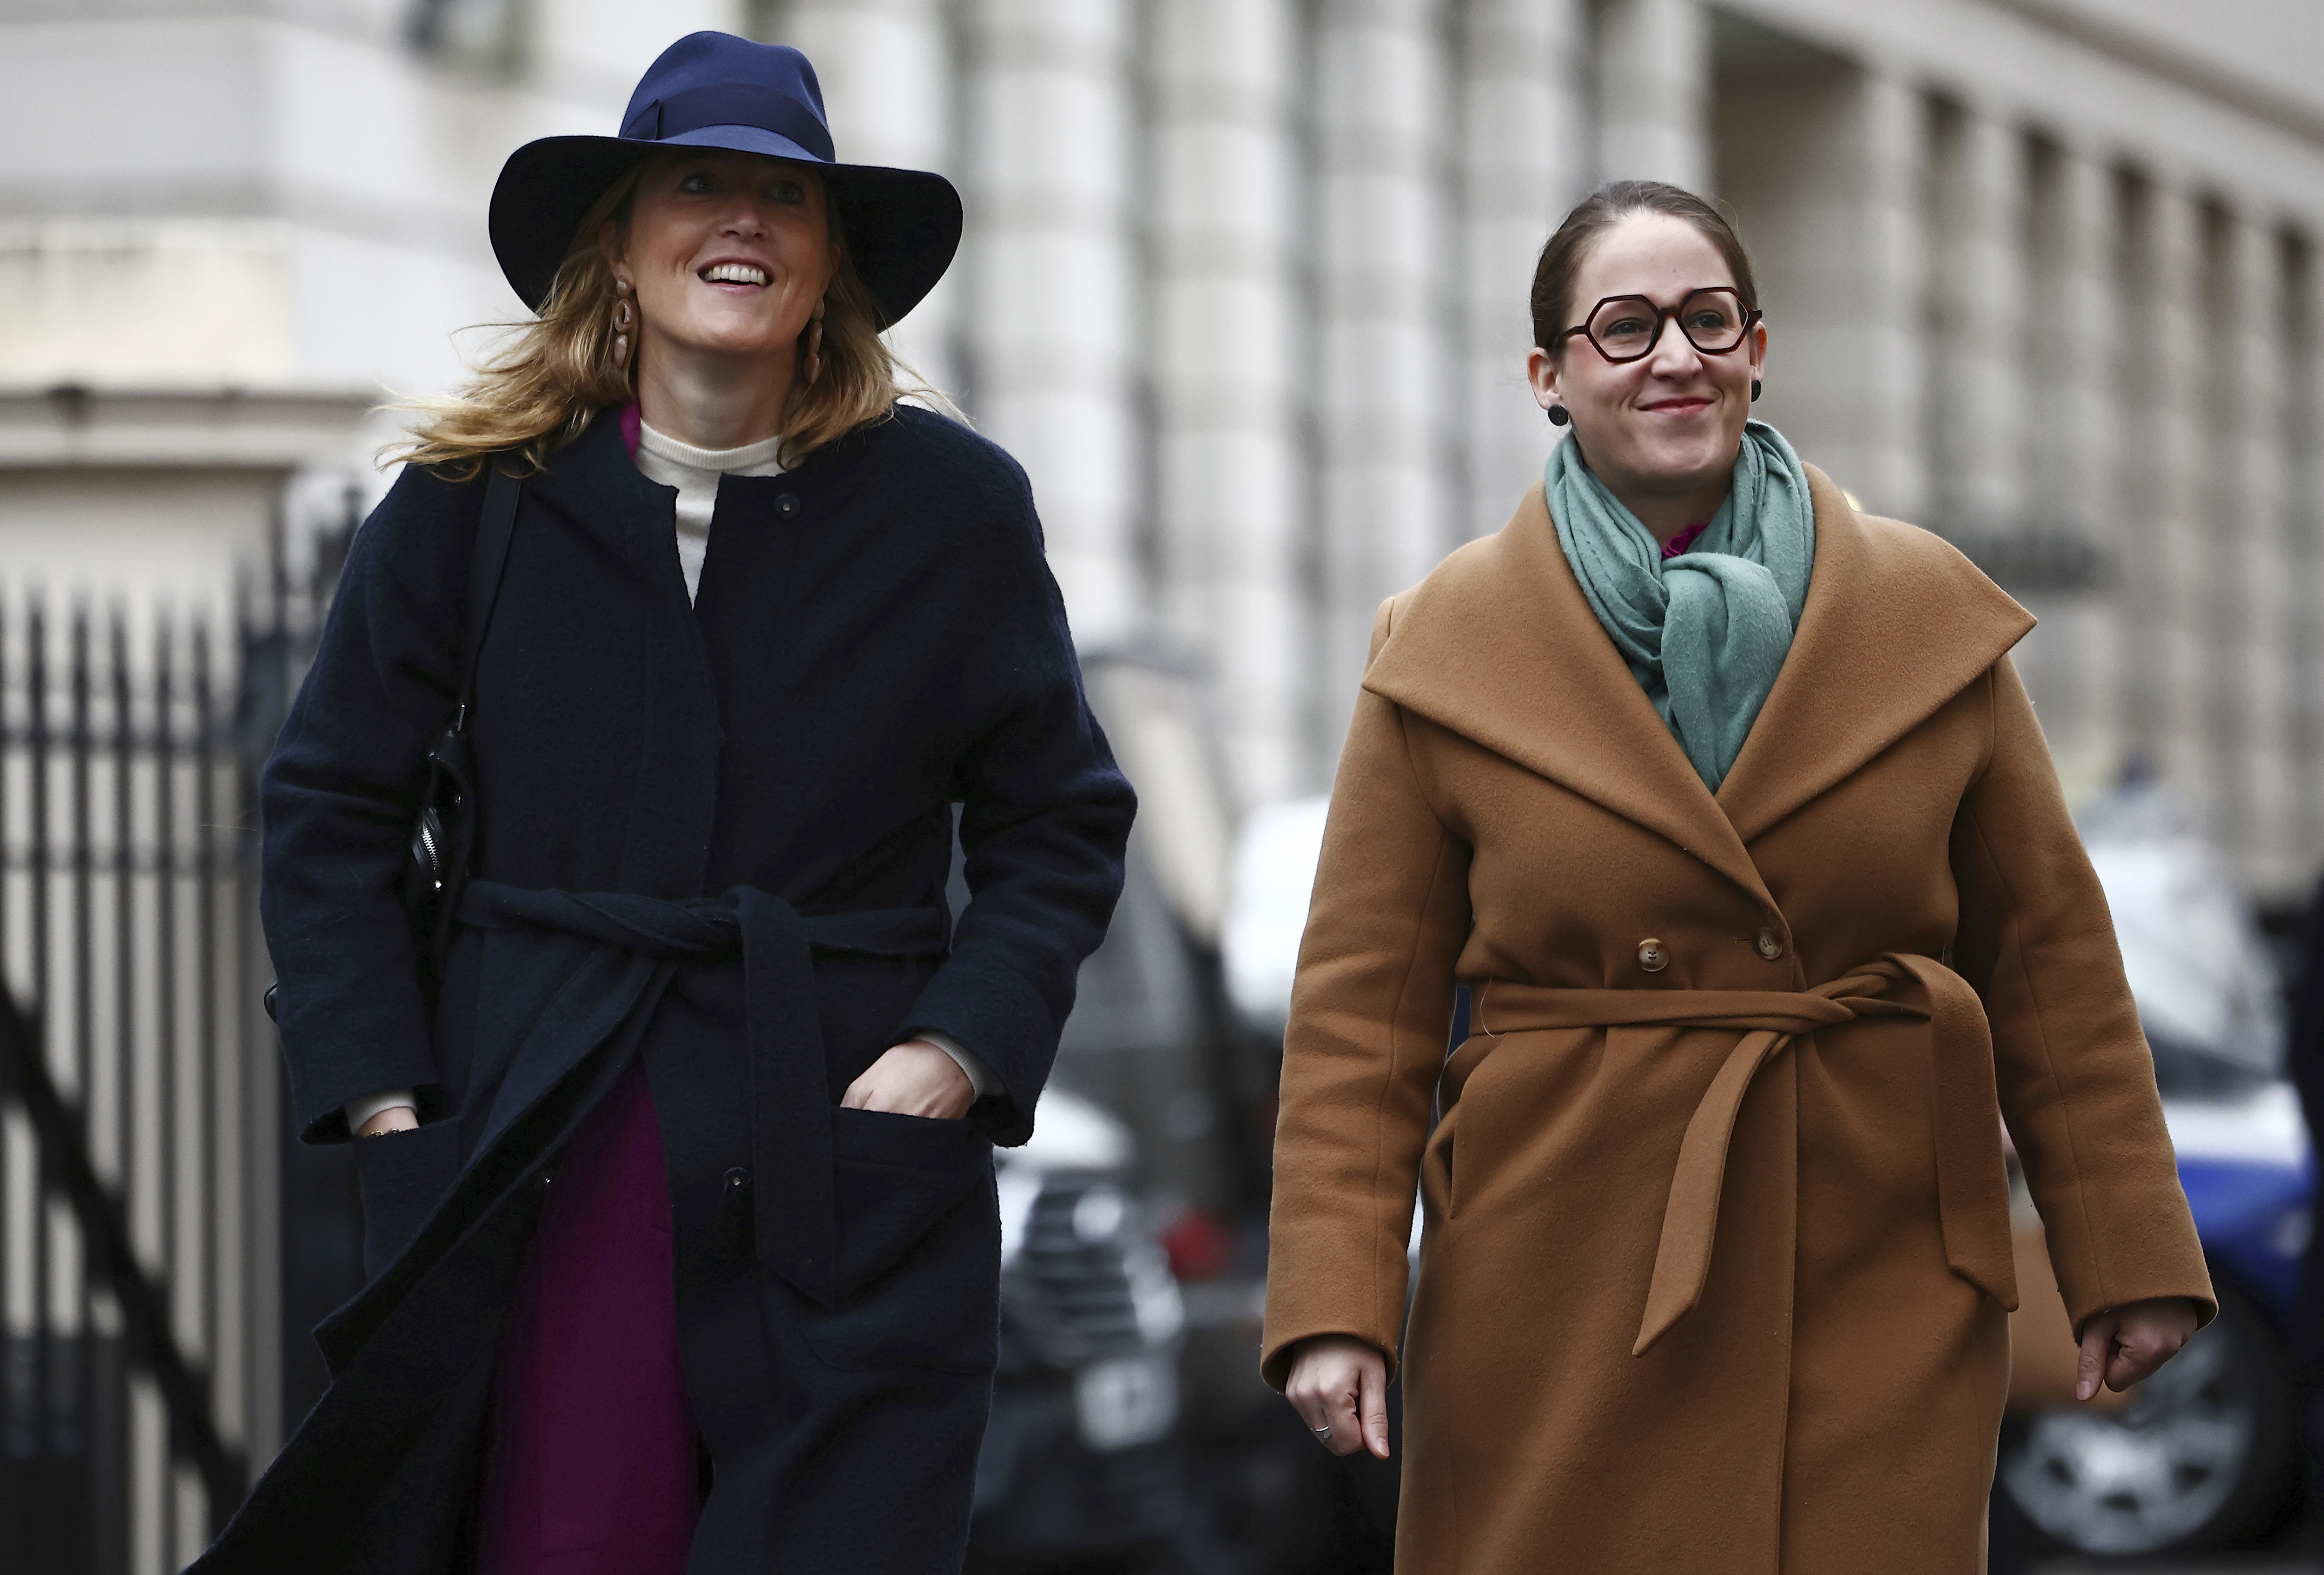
pixel 1653 955
pixel 1770 944
pixel 737 1179
pixel 787 504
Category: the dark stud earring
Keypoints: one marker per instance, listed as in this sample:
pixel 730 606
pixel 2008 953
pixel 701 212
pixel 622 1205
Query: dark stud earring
pixel 1755 390
pixel 1557 416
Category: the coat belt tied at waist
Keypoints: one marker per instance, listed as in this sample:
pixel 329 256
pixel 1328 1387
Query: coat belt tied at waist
pixel 796 1221
pixel 1972 1187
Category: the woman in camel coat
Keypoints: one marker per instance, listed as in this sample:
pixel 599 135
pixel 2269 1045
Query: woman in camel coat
pixel 1716 1263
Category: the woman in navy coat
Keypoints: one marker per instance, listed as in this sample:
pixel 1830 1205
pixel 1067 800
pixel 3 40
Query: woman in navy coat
pixel 678 1212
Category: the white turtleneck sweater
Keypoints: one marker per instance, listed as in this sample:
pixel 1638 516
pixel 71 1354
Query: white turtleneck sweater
pixel 695 473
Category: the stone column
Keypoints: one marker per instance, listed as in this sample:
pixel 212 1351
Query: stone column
pixel 887 71
pixel 2304 527
pixel 1654 91
pixel 1048 280
pixel 1889 450
pixel 1523 163
pixel 2164 567
pixel 2251 697
pixel 2076 337
pixel 1982 293
pixel 2304 569
pixel 1381 402
pixel 1222 76
pixel 1825 170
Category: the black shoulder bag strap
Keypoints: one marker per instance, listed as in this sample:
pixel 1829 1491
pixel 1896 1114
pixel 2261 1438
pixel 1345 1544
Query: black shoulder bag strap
pixel 444 834
pixel 485 565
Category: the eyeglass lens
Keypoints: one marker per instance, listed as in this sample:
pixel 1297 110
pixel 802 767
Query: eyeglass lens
pixel 1626 326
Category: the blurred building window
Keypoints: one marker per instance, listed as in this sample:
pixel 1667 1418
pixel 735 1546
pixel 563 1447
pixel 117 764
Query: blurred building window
pixel 486 33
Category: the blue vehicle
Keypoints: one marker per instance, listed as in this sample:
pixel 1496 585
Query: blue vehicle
pixel 2204 1454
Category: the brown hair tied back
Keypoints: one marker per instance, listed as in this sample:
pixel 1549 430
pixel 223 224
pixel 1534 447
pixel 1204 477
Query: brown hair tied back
pixel 1601 211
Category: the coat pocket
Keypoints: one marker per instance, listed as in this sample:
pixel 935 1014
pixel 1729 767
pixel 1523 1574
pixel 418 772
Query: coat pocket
pixel 402 1175
pixel 920 1246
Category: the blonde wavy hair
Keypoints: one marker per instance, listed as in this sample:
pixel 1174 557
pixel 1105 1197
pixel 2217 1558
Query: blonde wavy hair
pixel 549 379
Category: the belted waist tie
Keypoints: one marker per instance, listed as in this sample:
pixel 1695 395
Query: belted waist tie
pixel 796 1231
pixel 1972 1187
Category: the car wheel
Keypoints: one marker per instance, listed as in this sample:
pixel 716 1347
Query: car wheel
pixel 2198 1458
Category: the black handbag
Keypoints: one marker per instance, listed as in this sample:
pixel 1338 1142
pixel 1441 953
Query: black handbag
pixel 444 833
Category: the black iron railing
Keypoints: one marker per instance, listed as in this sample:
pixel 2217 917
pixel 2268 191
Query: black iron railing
pixel 111 1262
pixel 159 1236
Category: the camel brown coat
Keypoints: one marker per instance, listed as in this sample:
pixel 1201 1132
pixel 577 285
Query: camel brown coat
pixel 1717 1251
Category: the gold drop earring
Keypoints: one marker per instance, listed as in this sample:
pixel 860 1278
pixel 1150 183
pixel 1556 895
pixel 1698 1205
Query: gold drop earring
pixel 814 345
pixel 624 315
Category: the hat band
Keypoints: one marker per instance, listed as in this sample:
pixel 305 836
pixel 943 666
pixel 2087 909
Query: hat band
pixel 731 103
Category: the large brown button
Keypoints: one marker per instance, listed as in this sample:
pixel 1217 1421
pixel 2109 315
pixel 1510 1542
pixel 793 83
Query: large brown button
pixel 1653 955
pixel 1770 944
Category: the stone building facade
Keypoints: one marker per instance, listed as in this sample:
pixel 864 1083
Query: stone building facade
pixel 1244 287
pixel 1246 283
pixel 2038 276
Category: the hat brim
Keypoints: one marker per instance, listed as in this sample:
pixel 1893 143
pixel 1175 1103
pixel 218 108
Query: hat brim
pixel 902 226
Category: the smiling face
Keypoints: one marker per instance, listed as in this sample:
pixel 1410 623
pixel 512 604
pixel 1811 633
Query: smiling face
pixel 1665 427
pixel 728 254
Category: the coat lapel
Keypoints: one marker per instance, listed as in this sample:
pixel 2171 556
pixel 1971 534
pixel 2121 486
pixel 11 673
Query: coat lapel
pixel 1897 623
pixel 1500 646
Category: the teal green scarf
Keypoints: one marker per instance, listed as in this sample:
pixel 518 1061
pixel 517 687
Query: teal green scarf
pixel 1705 632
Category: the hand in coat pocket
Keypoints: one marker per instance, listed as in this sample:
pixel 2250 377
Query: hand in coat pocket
pixel 920 1246
pixel 913 1079
pixel 402 1175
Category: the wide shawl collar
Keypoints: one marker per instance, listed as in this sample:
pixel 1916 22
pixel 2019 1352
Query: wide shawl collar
pixel 1501 647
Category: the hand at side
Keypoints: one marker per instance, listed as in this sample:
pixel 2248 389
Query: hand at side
pixel 2125 1344
pixel 1339 1382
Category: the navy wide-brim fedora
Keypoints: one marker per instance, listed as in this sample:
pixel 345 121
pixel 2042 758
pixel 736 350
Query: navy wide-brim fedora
pixel 714 90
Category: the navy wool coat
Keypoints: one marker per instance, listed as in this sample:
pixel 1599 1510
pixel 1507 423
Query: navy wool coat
pixel 716 836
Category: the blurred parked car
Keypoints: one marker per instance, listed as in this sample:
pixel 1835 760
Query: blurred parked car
pixel 1078 1464
pixel 2204 1453
pixel 1158 1038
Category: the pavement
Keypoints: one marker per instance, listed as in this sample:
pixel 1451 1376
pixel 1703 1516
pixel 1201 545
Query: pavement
pixel 2295 1554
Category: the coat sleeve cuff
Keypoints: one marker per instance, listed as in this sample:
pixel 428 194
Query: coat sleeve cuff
pixel 1275 1355
pixel 363 1110
pixel 2206 1300
pixel 997 1016
pixel 323 1096
pixel 980 1076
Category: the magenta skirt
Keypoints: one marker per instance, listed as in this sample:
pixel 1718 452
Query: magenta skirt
pixel 591 1463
